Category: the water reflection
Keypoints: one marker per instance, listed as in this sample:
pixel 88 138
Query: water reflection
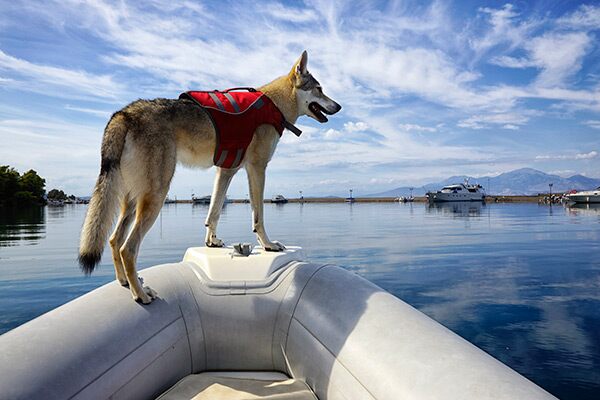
pixel 583 208
pixel 25 225
pixel 59 211
pixel 457 208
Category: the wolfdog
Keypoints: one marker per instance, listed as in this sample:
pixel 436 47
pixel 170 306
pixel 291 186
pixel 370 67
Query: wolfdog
pixel 141 146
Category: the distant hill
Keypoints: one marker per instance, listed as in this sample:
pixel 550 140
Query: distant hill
pixel 524 181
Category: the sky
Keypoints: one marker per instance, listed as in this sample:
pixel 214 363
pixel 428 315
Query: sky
pixel 428 89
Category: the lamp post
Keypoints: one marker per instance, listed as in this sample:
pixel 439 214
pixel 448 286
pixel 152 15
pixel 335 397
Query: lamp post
pixel 550 185
pixel 301 197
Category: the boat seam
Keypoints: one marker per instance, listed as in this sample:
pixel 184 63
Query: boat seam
pixel 146 367
pixel 335 358
pixel 125 356
pixel 287 333
pixel 295 266
pixel 199 314
pixel 187 332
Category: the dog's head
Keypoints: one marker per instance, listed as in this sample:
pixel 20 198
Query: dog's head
pixel 309 94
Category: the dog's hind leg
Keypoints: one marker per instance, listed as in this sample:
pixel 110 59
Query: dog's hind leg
pixel 118 237
pixel 222 181
pixel 147 209
pixel 256 181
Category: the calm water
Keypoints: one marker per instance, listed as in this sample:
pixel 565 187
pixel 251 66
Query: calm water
pixel 521 281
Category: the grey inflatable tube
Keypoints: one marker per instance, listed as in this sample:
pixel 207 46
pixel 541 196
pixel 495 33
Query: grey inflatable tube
pixel 343 336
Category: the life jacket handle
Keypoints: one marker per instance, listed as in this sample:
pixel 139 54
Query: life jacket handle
pixel 249 89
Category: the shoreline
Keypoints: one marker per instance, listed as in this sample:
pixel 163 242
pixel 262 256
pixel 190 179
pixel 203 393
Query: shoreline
pixel 418 199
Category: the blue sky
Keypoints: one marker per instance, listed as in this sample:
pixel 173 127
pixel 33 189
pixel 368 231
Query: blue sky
pixel 429 89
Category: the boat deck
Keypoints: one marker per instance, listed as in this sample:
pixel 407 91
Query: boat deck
pixel 239 386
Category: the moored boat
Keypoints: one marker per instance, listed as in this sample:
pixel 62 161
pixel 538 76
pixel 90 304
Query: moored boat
pixel 586 196
pixel 201 200
pixel 279 199
pixel 404 199
pixel 458 192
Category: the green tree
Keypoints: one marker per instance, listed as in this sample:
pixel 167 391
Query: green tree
pixel 31 182
pixel 9 184
pixel 56 194
pixel 16 189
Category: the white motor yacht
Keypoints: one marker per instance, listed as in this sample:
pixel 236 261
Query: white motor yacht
pixel 587 196
pixel 458 192
pixel 279 199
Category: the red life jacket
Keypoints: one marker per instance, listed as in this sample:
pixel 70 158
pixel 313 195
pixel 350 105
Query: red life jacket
pixel 235 116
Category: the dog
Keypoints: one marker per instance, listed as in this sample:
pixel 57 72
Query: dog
pixel 141 146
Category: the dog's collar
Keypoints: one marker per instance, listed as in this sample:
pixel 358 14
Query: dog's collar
pixel 290 127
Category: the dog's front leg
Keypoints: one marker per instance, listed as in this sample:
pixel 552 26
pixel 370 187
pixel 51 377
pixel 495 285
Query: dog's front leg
pixel 256 182
pixel 222 181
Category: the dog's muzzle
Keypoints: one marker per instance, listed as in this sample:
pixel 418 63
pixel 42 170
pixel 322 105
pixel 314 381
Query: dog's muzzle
pixel 319 111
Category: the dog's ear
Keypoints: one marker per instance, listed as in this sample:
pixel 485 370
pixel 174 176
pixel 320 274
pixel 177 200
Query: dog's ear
pixel 300 66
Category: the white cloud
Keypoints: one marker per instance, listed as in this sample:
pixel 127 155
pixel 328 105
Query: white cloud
pixel 57 149
pixel 332 134
pixel 504 29
pixel 593 123
pixel 60 82
pixel 355 126
pixel 384 181
pixel 505 120
pixel 290 14
pixel 586 156
pixel 417 128
pixel 512 62
pixel 565 173
pixel 185 54
pixel 558 55
pixel 92 111
pixel 585 17
pixel 578 156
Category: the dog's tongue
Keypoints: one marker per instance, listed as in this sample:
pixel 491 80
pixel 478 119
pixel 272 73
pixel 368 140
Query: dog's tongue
pixel 316 110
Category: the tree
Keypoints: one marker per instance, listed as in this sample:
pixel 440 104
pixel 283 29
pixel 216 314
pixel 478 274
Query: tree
pixel 31 182
pixel 26 189
pixel 56 194
pixel 9 183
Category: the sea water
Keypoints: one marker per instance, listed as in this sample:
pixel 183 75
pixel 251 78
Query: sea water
pixel 521 281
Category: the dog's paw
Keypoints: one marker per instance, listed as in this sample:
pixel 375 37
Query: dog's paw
pixel 274 246
pixel 214 242
pixel 123 282
pixel 147 295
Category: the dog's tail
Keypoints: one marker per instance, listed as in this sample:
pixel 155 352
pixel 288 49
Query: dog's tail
pixel 104 202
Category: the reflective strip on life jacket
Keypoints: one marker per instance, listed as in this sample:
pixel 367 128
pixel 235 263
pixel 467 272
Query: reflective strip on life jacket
pixel 232 101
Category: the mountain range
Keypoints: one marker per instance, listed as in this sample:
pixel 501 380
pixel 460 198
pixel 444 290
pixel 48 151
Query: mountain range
pixel 524 181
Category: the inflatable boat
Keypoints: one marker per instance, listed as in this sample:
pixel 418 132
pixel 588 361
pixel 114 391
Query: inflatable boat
pixel 263 326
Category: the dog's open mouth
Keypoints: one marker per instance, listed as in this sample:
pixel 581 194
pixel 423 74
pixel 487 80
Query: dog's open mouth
pixel 317 111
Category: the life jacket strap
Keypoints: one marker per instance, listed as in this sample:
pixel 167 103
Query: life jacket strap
pixel 290 127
